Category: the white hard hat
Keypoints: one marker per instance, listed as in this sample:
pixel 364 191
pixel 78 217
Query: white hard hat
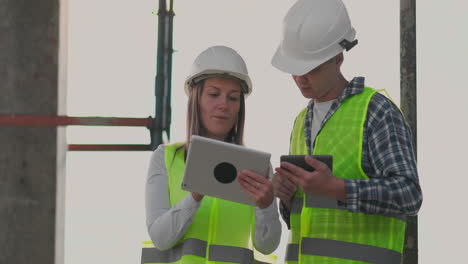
pixel 219 61
pixel 314 31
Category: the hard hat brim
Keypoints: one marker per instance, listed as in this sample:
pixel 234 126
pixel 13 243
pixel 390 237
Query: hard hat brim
pixel 299 67
pixel 238 76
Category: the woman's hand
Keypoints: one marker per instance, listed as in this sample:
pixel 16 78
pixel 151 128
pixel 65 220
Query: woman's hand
pixel 258 187
pixel 197 196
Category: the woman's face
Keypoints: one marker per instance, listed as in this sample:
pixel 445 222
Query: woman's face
pixel 219 106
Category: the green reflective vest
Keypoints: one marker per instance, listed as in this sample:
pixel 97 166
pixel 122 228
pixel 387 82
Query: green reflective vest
pixel 323 231
pixel 220 232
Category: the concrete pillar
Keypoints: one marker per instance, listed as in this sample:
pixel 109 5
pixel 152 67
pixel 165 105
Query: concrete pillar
pixel 32 159
pixel 408 106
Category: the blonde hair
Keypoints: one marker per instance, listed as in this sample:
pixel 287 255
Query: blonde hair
pixel 194 124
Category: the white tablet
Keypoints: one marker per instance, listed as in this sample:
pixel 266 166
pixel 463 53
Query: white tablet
pixel 212 166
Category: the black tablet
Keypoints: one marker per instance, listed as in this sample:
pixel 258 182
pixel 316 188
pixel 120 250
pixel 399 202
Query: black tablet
pixel 299 160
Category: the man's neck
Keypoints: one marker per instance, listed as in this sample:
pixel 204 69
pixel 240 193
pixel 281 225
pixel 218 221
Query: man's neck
pixel 341 84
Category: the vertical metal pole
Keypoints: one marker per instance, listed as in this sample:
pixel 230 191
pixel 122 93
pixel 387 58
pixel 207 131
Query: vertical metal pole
pixel 163 75
pixel 167 108
pixel 408 105
pixel 156 131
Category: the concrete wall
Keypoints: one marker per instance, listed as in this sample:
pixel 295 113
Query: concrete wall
pixel 29 84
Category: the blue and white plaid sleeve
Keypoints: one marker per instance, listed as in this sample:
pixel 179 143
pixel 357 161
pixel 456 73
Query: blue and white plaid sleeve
pixel 389 161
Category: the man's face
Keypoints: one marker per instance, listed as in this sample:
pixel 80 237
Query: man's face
pixel 321 83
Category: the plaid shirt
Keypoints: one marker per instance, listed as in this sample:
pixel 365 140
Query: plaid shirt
pixel 388 159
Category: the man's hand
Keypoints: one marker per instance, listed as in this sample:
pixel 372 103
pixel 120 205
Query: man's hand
pixel 258 187
pixel 284 188
pixel 319 182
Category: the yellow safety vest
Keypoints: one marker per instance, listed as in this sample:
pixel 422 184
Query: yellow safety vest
pixel 220 232
pixel 321 230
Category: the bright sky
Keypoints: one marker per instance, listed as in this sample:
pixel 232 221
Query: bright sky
pixel 112 54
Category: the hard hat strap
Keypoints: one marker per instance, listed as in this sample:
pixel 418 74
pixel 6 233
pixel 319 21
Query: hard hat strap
pixel 348 45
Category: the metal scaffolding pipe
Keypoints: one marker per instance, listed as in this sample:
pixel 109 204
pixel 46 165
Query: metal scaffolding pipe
pixel 51 121
pixel 163 74
pixel 90 147
pixel 54 121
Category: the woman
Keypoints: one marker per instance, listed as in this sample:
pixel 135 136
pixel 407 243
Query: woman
pixel 192 228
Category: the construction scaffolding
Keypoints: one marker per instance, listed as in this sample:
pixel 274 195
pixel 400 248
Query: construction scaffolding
pixel 158 127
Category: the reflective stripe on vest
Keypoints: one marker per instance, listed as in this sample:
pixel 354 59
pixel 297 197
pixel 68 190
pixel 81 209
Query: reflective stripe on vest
pixel 343 250
pixel 322 202
pixel 197 248
pixel 230 254
pixel 330 203
pixel 292 252
pixel 350 251
pixel 190 246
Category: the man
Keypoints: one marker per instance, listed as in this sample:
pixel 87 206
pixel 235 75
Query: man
pixel 355 212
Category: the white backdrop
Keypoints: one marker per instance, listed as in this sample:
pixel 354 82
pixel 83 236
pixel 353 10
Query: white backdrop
pixel 112 54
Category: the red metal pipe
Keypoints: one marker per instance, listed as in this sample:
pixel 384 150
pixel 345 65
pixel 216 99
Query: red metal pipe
pixel 51 121
pixel 82 147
